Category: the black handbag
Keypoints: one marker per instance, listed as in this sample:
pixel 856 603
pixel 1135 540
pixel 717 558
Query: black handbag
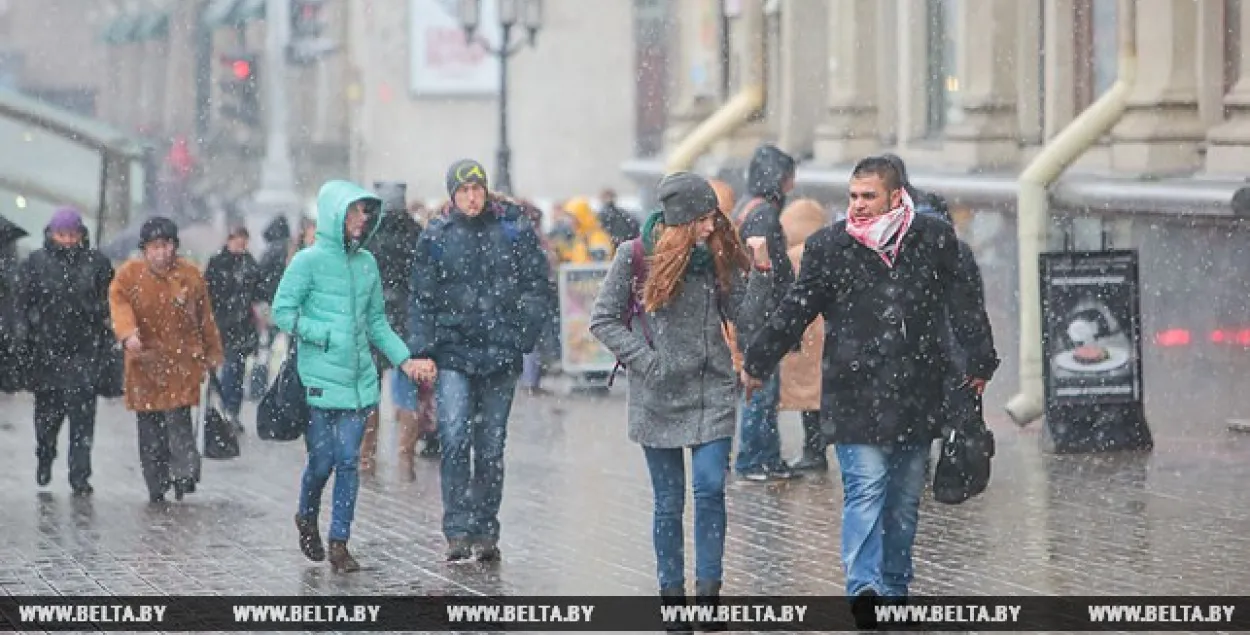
pixel 283 414
pixel 220 439
pixel 963 470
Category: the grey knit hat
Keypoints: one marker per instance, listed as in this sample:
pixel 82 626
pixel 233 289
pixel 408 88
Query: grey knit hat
pixel 685 197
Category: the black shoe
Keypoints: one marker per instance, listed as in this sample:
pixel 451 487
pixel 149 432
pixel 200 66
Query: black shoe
pixel 863 608
pixel 783 473
pixel 758 475
pixel 431 449
pixel 43 473
pixel 188 485
pixel 489 552
pixel 810 462
pixel 675 597
pixel 458 550
pixel 83 489
pixel 310 538
pixel 707 593
pixel 180 489
pixel 156 499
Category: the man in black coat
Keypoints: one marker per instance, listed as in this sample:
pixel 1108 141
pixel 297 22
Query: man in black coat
pixel 394 246
pixel 64 303
pixel 234 285
pixel 884 280
pixel 770 177
pixel 12 328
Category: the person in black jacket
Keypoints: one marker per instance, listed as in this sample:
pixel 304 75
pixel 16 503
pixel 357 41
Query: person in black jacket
pixel 64 302
pixel 770 177
pixel 620 224
pixel 479 302
pixel 12 327
pixel 277 237
pixel 394 246
pixel 885 280
pixel 233 280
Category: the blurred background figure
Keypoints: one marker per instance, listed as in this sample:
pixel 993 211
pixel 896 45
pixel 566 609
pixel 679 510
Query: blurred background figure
pixel 234 286
pixel 800 370
pixel 620 224
pixel 12 335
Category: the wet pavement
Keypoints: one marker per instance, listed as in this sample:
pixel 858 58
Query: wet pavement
pixel 576 520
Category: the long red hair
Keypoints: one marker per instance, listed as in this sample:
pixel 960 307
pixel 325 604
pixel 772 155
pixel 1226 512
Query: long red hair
pixel 671 257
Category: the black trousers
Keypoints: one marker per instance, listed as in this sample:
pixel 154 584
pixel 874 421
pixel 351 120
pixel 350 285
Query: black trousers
pixel 167 448
pixel 52 407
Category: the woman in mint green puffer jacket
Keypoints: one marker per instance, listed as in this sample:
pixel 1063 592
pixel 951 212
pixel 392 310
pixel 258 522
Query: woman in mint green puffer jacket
pixel 330 301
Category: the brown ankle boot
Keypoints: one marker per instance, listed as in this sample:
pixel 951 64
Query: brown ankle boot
pixel 340 560
pixel 310 539
pixel 369 444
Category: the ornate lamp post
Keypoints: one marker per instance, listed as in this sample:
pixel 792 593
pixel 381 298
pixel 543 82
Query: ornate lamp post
pixel 512 13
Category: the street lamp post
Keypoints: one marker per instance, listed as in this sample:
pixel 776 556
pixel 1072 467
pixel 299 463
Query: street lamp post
pixel 512 13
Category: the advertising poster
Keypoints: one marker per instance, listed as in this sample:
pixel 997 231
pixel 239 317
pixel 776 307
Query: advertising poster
pixel 1091 327
pixel 580 351
pixel 442 61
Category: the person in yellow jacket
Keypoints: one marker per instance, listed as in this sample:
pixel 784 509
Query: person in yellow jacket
pixel 590 242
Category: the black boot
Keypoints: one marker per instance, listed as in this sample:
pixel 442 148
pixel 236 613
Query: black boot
pixel 43 473
pixel 675 597
pixel 863 608
pixel 813 459
pixel 707 593
pixel 310 538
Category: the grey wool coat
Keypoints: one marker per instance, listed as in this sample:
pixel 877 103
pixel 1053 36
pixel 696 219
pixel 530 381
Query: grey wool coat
pixel 683 390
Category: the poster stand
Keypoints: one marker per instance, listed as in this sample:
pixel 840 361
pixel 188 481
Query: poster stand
pixel 1092 347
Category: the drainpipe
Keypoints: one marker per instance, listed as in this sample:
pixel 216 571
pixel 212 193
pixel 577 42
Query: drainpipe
pixel 741 107
pixel 1033 214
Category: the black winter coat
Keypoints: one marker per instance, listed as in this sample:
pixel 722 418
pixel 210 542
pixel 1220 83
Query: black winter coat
pixel 234 284
pixel 886 359
pixel 479 291
pixel 12 327
pixel 394 246
pixel 64 302
pixel 273 262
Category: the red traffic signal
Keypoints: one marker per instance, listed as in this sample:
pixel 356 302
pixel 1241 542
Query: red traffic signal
pixel 242 69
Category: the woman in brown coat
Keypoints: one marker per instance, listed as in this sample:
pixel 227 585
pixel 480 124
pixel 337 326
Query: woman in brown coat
pixel 800 370
pixel 162 315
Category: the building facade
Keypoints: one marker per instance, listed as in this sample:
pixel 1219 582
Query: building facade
pixel 969 92
pixel 424 98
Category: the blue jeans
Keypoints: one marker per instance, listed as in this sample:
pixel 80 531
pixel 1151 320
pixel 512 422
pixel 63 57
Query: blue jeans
pixel 709 466
pixel 759 444
pixel 881 488
pixel 232 374
pixel 333 442
pixel 472 427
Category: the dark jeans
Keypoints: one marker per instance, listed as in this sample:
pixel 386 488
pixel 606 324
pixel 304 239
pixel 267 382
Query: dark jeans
pixel 333 442
pixel 233 371
pixel 709 466
pixel 52 407
pixel 167 448
pixel 759 444
pixel 472 428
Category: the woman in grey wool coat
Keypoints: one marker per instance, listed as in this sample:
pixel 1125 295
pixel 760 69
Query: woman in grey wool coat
pixel 682 385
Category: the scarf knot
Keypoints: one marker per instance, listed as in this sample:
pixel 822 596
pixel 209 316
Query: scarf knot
pixel 884 234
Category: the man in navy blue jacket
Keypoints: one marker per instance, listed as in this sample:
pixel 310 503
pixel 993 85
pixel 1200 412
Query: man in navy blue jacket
pixel 479 298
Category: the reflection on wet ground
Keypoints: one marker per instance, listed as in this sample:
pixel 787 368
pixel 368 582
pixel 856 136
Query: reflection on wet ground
pixel 576 520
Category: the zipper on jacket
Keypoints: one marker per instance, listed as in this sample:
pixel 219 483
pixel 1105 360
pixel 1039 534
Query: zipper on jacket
pixel 351 294
pixel 703 369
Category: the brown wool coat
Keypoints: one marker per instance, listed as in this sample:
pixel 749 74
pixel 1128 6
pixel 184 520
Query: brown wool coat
pixel 800 371
pixel 174 319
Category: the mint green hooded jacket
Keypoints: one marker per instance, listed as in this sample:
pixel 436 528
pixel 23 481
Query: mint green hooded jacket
pixel 330 301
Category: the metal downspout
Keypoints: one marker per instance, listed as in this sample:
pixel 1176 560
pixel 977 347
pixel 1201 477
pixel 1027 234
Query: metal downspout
pixel 736 112
pixel 1033 213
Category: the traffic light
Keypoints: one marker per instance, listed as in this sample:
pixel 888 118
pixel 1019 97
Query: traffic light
pixel 307 43
pixel 241 88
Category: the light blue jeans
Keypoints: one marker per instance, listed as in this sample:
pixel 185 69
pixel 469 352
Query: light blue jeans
pixel 881 488
pixel 472 428
pixel 333 442
pixel 709 466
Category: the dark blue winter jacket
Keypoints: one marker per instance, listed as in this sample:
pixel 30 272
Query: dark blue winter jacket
pixel 479 291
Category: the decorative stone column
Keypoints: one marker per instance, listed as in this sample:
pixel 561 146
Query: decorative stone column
pixel 696 80
pixel 1228 144
pixel 1161 132
pixel 849 129
pixel 988 136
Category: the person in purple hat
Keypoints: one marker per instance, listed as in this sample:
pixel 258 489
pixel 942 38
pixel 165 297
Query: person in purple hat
pixel 64 302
